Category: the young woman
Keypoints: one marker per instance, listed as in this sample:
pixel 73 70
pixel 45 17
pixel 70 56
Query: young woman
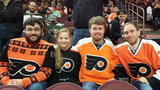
pixel 67 62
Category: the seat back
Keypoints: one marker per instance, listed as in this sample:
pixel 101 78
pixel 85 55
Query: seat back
pixel 69 26
pixel 117 85
pixel 62 19
pixel 65 86
pixel 11 87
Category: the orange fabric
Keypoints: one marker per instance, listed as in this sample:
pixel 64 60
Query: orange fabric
pixel 40 8
pixel 146 60
pixel 111 17
pixel 61 11
pixel 96 74
pixel 34 53
pixel 4 75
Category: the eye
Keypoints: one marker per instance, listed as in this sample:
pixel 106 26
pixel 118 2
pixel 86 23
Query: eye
pixel 60 38
pixel 37 29
pixel 29 29
pixel 66 37
pixel 94 28
pixel 132 31
pixel 126 33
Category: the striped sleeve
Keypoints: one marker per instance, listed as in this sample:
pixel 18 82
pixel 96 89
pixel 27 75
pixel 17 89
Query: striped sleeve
pixel 46 69
pixel 4 64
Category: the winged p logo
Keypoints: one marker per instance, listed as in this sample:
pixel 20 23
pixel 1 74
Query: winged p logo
pixel 95 62
pixel 140 69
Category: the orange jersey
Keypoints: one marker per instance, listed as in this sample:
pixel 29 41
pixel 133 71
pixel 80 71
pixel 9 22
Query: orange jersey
pixel 144 63
pixel 31 63
pixel 97 65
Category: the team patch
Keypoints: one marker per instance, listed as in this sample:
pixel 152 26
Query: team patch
pixel 139 69
pixel 95 62
pixel 68 65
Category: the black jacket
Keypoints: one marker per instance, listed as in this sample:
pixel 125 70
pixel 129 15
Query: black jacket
pixel 84 10
pixel 115 29
pixel 156 12
pixel 12 16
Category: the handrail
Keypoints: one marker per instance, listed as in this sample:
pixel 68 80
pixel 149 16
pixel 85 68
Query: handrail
pixel 131 8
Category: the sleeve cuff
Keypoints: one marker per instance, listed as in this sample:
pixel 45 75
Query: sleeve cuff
pixel 5 81
pixel 26 82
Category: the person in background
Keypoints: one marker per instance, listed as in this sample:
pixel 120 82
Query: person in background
pixel 149 16
pixel 156 16
pixel 68 61
pixel 45 34
pixel 27 2
pixel 116 26
pixel 140 58
pixel 105 12
pixel 32 12
pixel 113 14
pixel 27 61
pixel 83 11
pixel 98 56
pixel 49 12
pixel 60 8
pixel 53 26
pixel 57 13
pixel 11 20
pixel 43 8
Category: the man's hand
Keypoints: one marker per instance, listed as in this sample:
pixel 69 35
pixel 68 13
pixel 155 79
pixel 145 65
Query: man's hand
pixel 12 82
pixel 143 80
pixel 18 82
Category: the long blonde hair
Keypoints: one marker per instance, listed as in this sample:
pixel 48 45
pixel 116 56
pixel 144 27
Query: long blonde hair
pixel 58 54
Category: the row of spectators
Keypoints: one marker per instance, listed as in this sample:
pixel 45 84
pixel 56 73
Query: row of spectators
pixel 152 11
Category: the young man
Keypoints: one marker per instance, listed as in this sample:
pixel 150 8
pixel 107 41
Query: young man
pixel 32 12
pixel 57 13
pixel 97 55
pixel 140 58
pixel 27 61
pixel 116 26
pixel 49 12
pixel 83 10
pixel 53 26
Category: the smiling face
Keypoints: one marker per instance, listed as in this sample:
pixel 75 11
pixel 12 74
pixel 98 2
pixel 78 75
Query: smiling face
pixel 64 40
pixel 32 7
pixel 131 34
pixel 33 34
pixel 97 33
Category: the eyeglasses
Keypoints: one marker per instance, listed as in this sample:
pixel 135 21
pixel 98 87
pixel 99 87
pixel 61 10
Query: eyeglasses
pixel 35 29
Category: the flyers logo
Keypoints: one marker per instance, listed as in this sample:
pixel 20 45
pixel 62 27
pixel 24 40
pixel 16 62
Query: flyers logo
pixel 68 65
pixel 140 69
pixel 22 67
pixel 95 62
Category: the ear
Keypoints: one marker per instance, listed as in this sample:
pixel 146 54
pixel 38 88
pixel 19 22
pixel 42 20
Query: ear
pixel 90 30
pixel 42 29
pixel 139 32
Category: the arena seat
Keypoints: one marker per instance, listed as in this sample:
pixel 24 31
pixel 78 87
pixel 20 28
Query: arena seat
pixel 11 87
pixel 117 85
pixel 62 19
pixel 65 86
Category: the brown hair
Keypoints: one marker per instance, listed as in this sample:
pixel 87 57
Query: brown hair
pixel 44 25
pixel 128 23
pixel 58 54
pixel 97 20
